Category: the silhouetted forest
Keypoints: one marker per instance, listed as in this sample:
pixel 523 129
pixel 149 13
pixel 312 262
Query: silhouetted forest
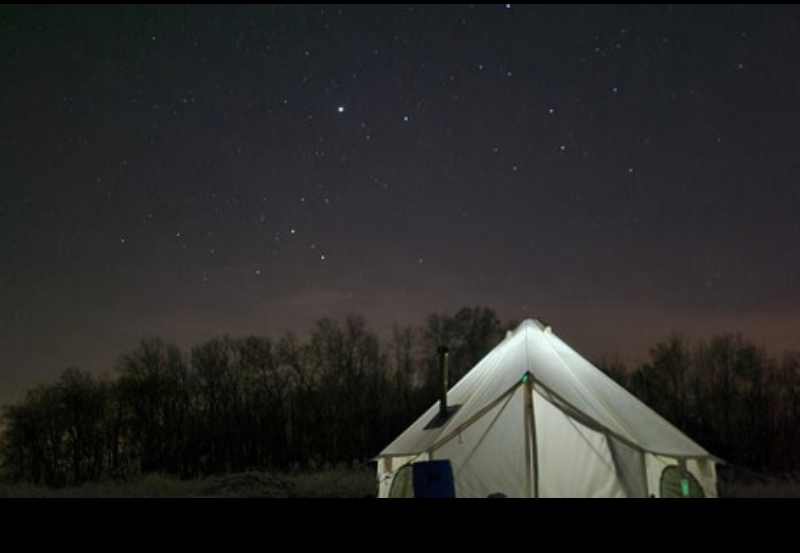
pixel 342 394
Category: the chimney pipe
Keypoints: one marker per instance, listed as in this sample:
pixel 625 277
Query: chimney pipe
pixel 443 353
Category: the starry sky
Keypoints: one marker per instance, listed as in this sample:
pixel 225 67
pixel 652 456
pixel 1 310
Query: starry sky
pixel 622 172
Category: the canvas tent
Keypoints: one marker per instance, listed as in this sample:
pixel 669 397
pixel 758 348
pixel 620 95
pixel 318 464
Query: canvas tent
pixel 535 419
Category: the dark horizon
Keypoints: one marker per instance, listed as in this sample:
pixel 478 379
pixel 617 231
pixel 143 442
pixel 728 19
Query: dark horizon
pixel 105 363
pixel 624 172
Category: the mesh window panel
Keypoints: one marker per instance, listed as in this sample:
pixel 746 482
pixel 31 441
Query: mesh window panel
pixel 676 482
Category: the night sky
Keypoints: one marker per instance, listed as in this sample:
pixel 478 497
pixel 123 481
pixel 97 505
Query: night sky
pixel 185 172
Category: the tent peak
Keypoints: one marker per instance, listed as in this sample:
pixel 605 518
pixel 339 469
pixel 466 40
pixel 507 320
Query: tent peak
pixel 536 323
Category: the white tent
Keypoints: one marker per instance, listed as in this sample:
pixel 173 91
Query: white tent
pixel 535 419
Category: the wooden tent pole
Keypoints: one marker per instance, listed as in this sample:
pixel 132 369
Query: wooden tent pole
pixel 531 449
pixel 526 394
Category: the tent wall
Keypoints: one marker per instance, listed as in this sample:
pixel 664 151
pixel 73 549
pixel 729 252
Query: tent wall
pixel 574 460
pixel 488 457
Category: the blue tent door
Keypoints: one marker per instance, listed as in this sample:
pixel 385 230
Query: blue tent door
pixel 434 479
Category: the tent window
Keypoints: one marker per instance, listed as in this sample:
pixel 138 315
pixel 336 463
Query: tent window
pixel 403 483
pixel 678 482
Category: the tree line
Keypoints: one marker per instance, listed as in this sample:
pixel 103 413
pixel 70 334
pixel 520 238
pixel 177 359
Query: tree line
pixel 727 394
pixel 341 394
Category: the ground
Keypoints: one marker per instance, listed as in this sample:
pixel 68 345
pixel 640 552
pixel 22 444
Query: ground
pixel 740 482
pixel 329 483
pixel 339 482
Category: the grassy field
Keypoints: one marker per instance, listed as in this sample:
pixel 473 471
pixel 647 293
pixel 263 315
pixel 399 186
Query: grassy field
pixel 340 482
pixel 356 483
pixel 742 483
pixel 773 488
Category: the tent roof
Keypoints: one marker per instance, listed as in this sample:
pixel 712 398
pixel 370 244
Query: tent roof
pixel 557 371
